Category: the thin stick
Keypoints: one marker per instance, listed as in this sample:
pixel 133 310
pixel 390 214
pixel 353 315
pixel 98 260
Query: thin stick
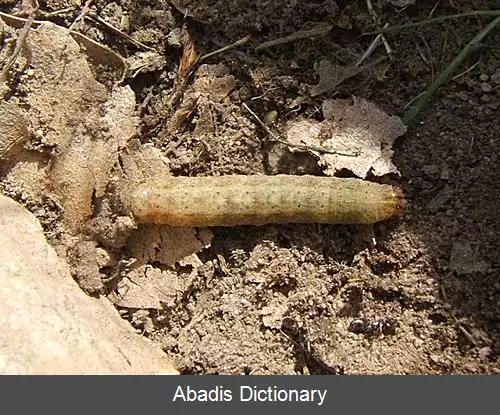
pixel 81 16
pixel 493 13
pixel 319 30
pixel 467 70
pixel 413 100
pixel 240 42
pixel 434 9
pixel 370 50
pixel 340 151
pixel 429 52
pixel 96 18
pixel 413 111
pixel 374 16
pixel 60 11
pixel 21 40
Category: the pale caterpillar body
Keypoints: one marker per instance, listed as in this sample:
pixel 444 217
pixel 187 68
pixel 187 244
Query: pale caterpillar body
pixel 258 200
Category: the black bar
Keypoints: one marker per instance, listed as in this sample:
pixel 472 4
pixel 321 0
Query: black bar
pixel 344 394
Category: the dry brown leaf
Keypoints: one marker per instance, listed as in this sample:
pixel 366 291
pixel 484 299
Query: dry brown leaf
pixel 351 124
pixel 156 243
pixel 149 287
pixel 143 62
pixel 58 106
pixel 142 161
pixel 189 56
pixel 27 174
pixel 85 163
pixel 66 109
pixel 330 76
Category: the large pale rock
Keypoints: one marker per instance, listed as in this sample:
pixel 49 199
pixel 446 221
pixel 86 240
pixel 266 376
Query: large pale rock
pixel 48 325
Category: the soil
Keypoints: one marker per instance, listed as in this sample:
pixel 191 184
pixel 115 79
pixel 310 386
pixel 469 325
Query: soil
pixel 419 294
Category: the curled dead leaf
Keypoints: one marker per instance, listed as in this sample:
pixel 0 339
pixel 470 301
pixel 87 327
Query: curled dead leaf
pixel 357 124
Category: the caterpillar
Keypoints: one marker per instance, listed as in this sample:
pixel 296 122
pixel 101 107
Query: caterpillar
pixel 258 200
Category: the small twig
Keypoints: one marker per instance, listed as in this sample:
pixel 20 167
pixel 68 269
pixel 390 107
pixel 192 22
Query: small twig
pixel 265 93
pixel 421 53
pixel 92 15
pixel 387 47
pixel 461 327
pixel 413 100
pixel 445 45
pixel 374 16
pixel 466 71
pixel 371 10
pixel 434 20
pixel 60 11
pixel 343 74
pixel 96 18
pixel 413 111
pixel 433 9
pixel 429 52
pixel 319 30
pixel 240 42
pixel 21 40
pixel 81 16
pixel 370 50
pixel 340 151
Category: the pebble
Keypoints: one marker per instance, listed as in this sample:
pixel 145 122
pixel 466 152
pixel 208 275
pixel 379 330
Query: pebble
pixel 496 77
pixel 435 358
pixel 484 352
pixel 445 173
pixel 486 87
pixel 270 118
pixel 418 343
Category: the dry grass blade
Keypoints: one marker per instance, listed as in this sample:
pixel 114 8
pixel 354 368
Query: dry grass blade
pixel 187 64
pixel 435 20
pixel 94 17
pixel 240 42
pixel 81 16
pixel 319 30
pixel 414 110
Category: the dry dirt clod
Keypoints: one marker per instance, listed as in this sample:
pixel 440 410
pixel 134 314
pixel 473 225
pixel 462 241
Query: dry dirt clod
pixel 14 129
